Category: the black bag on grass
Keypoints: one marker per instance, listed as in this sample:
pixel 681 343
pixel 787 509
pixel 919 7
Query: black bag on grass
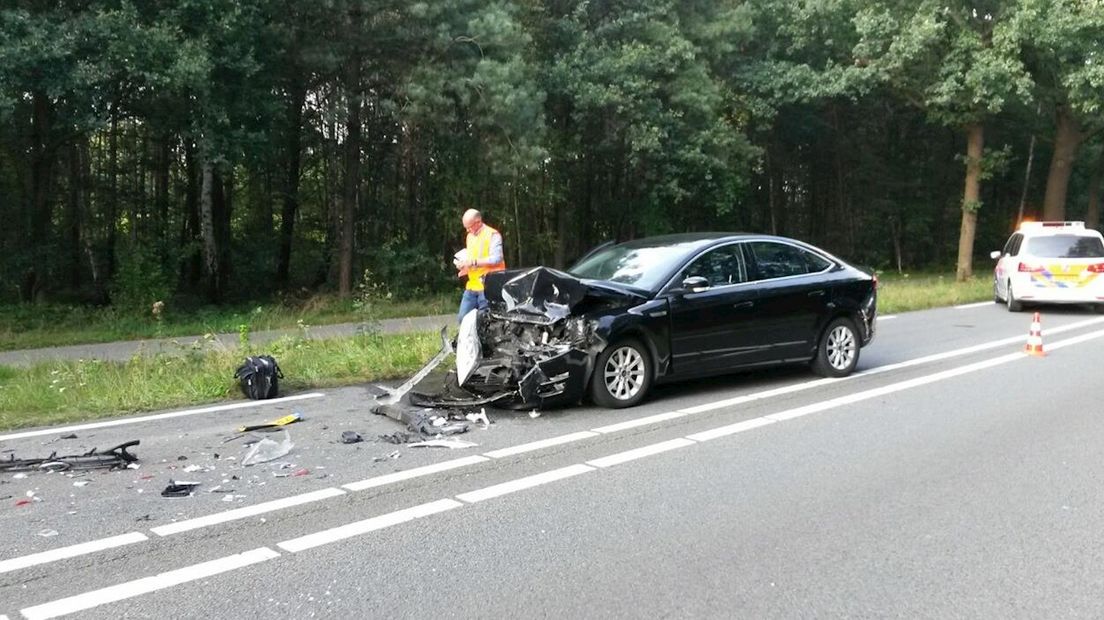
pixel 259 377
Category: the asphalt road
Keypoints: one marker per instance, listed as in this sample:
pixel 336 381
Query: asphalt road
pixel 951 477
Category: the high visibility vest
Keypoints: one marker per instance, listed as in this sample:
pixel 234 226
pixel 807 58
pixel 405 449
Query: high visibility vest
pixel 479 248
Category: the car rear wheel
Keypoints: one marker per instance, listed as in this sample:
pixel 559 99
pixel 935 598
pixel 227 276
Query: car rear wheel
pixel 837 352
pixel 996 294
pixel 622 375
pixel 1014 305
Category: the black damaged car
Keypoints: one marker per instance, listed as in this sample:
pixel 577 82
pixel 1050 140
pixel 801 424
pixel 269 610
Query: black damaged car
pixel 630 315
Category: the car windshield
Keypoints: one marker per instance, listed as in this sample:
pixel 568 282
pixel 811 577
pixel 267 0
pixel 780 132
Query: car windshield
pixel 1066 246
pixel 641 267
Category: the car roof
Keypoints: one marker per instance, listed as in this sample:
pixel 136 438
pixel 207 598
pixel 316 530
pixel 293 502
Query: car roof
pixel 699 239
pixel 1035 229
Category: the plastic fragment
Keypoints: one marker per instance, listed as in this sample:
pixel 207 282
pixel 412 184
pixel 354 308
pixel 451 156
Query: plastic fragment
pixel 267 450
pixel 47 533
pixel 444 443
pixel 82 483
pixel 351 437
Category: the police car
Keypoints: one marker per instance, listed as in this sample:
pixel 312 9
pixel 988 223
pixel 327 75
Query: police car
pixel 1050 262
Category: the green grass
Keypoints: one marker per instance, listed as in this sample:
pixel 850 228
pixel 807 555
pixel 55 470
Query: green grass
pixel 901 293
pixel 35 326
pixel 59 392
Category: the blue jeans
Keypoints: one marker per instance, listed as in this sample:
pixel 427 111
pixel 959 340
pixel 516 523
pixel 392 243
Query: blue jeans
pixel 470 301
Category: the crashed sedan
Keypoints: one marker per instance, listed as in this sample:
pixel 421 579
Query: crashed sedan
pixel 634 314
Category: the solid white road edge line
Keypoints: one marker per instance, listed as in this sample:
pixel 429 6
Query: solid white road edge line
pixel 935 357
pixel 159 416
pixel 247 511
pixel 414 473
pixel 71 551
pixel 122 591
pixel 977 305
pixel 325 537
pixel 538 445
pixel 639 453
pixel 886 317
pixel 523 483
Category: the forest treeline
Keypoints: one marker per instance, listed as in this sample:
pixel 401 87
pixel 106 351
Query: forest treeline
pixel 220 150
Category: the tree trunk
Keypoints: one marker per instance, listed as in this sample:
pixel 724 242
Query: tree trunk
pixel 1027 179
pixel 207 228
pixel 73 216
pixel 290 202
pixel 43 169
pixel 193 265
pixel 1067 139
pixel 351 185
pixel 1092 213
pixel 975 144
pixel 112 192
pixel 161 189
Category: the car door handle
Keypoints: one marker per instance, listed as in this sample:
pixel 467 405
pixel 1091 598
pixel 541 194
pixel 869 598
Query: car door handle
pixel 744 304
pixel 819 293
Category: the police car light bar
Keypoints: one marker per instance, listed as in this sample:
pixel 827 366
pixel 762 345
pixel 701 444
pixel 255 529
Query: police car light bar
pixel 1037 225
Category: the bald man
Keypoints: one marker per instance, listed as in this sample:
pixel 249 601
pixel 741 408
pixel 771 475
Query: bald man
pixel 484 255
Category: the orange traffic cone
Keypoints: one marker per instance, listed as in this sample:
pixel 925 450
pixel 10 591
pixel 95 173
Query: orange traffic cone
pixel 1034 344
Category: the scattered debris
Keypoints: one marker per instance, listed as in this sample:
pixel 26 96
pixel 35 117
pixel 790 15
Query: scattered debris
pixel 111 458
pixel 19 476
pixel 182 458
pixel 22 502
pixel 400 437
pixel 443 443
pixel 480 417
pixel 421 420
pixel 47 533
pixel 144 518
pixel 534 414
pixel 392 397
pixel 179 489
pixel 69 436
pixel 284 421
pixel 268 450
pixel 351 437
pixel 297 474
pixel 193 468
pixel 82 483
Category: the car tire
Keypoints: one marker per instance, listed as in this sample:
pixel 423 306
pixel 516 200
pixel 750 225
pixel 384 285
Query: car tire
pixel 837 353
pixel 622 375
pixel 1014 305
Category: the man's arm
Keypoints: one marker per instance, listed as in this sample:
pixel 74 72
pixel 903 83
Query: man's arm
pixel 495 255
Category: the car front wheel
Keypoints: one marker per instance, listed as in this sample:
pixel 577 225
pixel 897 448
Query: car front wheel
pixel 622 375
pixel 837 353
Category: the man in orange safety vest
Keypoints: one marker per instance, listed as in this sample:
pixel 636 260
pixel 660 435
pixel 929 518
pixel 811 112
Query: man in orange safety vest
pixel 483 255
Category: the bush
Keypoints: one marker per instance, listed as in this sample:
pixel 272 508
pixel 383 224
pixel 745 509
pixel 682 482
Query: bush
pixel 140 280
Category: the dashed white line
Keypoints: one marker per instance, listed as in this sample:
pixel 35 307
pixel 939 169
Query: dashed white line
pixel 159 416
pixel 730 429
pixel 414 473
pixel 977 305
pixel 358 528
pixel 746 398
pixel 639 453
pixel 523 483
pixel 72 551
pixel 247 511
pixel 122 591
pixel 539 445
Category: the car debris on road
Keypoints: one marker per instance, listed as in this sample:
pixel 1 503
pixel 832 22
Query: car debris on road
pixel 113 458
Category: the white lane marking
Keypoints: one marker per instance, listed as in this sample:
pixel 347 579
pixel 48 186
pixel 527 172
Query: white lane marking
pixel 887 317
pixel 523 483
pixel 911 383
pixel 652 419
pixel 245 512
pixel 639 453
pixel 71 551
pixel 159 416
pixel 731 429
pixel 122 591
pixel 798 387
pixel 538 445
pixel 407 474
pixel 358 528
pixel 977 305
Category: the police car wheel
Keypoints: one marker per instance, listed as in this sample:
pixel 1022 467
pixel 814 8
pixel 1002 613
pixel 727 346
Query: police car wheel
pixel 1014 305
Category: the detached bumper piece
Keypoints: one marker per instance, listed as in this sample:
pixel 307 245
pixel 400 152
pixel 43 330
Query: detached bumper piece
pixel 112 458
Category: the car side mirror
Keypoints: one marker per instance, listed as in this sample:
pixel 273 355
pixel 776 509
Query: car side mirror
pixel 995 254
pixel 695 284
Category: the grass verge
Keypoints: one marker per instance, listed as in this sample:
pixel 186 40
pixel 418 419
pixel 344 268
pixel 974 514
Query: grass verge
pixel 49 325
pixel 902 293
pixel 59 392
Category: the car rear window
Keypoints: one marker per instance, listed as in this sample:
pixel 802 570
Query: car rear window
pixel 1066 246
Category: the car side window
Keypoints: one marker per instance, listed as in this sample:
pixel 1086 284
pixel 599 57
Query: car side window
pixel 1012 248
pixel 721 266
pixel 780 260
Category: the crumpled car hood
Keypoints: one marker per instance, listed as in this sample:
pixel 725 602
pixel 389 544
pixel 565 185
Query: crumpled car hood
pixel 547 295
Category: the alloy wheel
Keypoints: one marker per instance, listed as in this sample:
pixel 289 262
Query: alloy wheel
pixel 624 373
pixel 841 347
